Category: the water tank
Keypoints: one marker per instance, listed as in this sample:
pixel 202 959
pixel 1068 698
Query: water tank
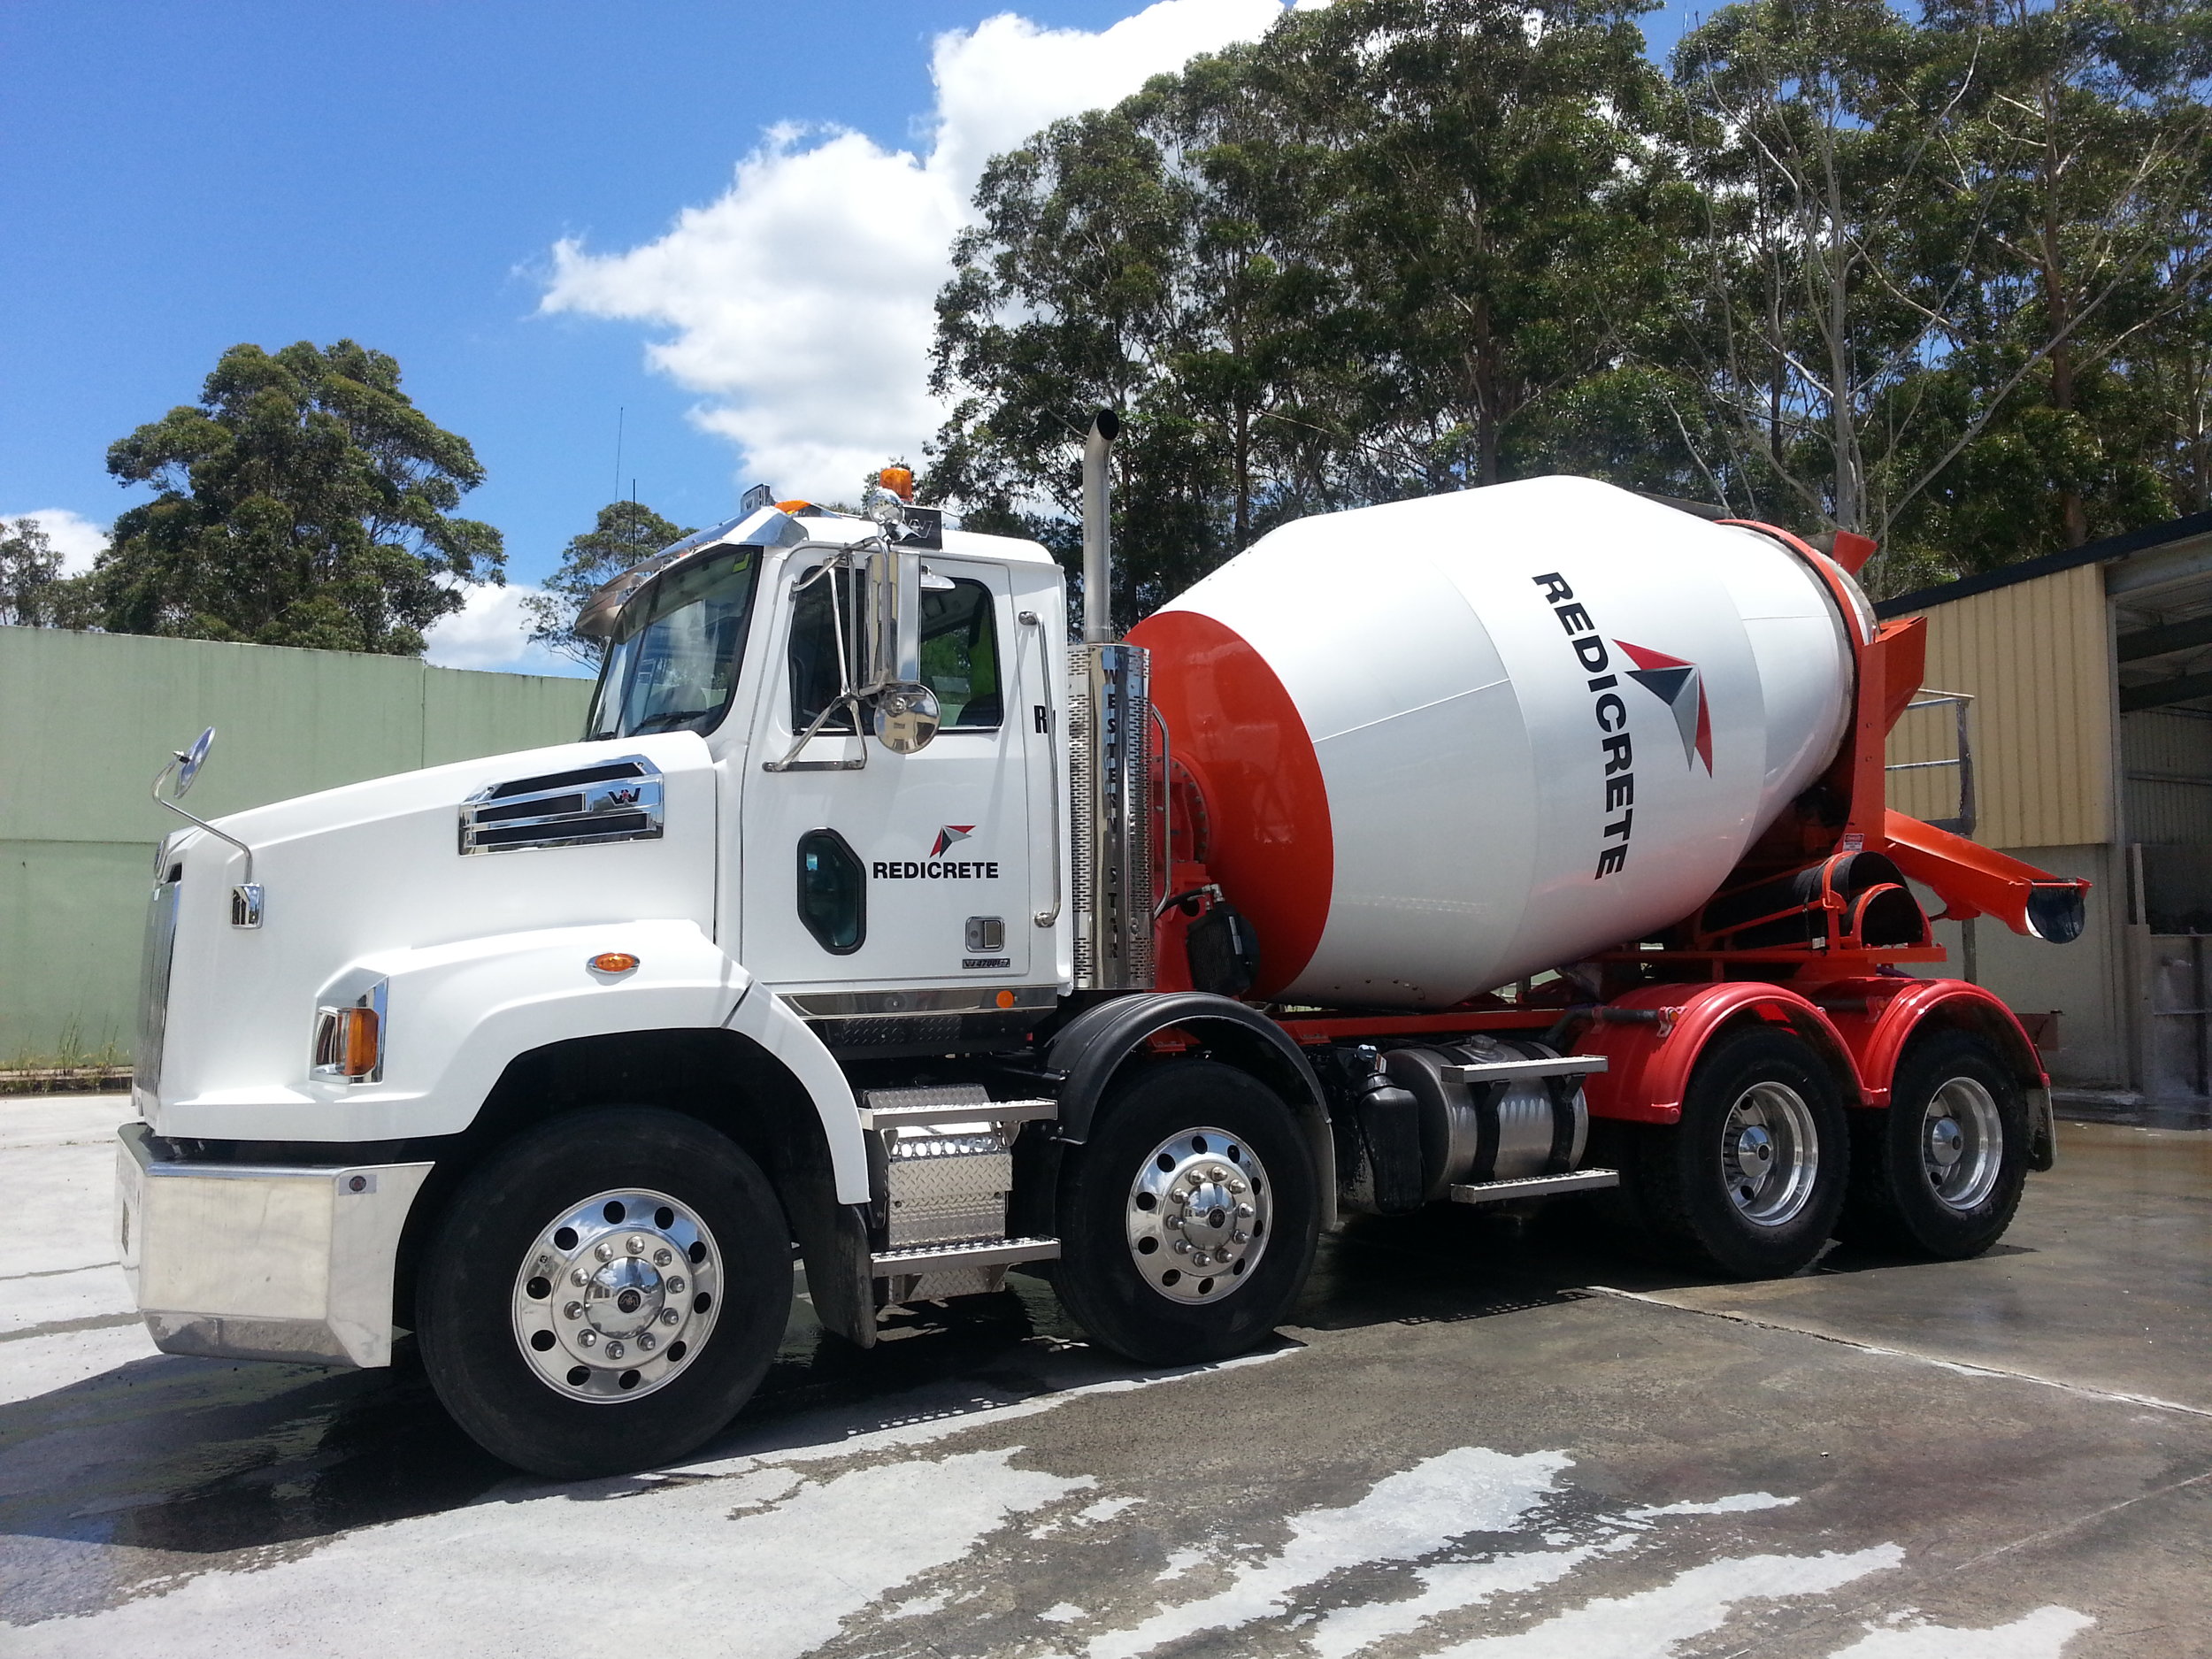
pixel 1446 743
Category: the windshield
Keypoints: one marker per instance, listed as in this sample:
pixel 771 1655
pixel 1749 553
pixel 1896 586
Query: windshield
pixel 677 650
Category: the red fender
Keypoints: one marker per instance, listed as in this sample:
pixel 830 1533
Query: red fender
pixel 1654 1035
pixel 1878 1016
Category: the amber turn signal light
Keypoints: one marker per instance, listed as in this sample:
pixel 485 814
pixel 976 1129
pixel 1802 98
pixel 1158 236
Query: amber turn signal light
pixel 346 1042
pixel 612 962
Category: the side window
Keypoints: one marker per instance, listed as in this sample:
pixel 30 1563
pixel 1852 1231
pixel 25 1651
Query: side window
pixel 814 651
pixel 960 656
pixel 832 892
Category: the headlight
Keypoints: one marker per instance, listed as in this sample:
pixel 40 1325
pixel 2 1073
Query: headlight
pixel 349 1038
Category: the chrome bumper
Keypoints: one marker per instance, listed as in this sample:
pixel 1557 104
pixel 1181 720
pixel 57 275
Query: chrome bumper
pixel 235 1261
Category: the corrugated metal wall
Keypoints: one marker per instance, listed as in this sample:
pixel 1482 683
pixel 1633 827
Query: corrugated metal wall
pixel 2037 659
pixel 2168 779
pixel 86 720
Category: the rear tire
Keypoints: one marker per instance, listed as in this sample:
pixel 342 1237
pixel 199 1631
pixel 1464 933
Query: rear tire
pixel 544 1303
pixel 1939 1174
pixel 1151 1209
pixel 1752 1176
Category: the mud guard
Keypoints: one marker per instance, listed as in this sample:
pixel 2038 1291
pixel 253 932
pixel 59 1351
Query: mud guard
pixel 1091 1048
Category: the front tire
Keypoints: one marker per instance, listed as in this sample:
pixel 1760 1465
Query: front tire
pixel 1188 1220
pixel 1752 1176
pixel 1939 1174
pixel 604 1293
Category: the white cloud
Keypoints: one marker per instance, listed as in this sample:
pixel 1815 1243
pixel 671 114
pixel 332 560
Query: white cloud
pixel 75 537
pixel 799 303
pixel 491 630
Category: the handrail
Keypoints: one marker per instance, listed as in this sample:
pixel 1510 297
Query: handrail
pixel 1030 618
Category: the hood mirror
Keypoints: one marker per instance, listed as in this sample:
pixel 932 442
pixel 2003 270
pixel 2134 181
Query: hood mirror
pixel 189 761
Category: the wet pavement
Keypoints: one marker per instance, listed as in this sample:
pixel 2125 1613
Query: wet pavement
pixel 1475 1439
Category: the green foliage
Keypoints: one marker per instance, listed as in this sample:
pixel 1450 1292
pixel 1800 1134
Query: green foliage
pixel 304 501
pixel 34 593
pixel 1943 281
pixel 625 534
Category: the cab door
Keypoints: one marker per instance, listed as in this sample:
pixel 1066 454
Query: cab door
pixel 864 868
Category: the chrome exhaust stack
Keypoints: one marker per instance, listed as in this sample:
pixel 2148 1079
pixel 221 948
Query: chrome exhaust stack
pixel 1110 760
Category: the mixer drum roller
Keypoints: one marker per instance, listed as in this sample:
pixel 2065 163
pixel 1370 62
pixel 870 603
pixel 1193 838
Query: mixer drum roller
pixel 1450 743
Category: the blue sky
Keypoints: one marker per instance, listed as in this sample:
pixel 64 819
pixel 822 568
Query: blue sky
pixel 425 176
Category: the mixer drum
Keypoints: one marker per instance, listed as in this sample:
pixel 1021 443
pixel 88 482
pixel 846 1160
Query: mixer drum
pixel 1446 744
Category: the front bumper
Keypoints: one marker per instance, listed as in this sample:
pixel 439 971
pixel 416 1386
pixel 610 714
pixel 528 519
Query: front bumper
pixel 235 1261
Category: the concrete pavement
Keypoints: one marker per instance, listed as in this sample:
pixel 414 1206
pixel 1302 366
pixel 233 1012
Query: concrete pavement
pixel 1475 1440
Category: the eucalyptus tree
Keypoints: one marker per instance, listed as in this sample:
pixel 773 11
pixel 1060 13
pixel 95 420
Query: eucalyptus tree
pixel 304 500
pixel 623 533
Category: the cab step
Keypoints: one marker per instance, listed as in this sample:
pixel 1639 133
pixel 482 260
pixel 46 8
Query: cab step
pixel 978 1252
pixel 1535 1186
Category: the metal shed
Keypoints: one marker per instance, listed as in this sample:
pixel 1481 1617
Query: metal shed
pixel 2086 731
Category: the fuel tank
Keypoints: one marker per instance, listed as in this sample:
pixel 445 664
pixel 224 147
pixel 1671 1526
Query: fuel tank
pixel 1442 744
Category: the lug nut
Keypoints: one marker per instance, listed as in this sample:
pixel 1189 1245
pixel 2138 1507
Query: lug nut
pixel 662 1258
pixel 574 1310
pixel 669 1316
pixel 1240 1238
pixel 1239 1186
pixel 1217 1173
pixel 578 1277
pixel 604 1250
pixel 586 1339
pixel 675 1284
pixel 635 1245
pixel 645 1342
pixel 1181 1247
pixel 1247 1211
pixel 614 1350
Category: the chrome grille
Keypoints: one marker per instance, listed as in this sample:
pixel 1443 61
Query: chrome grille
pixel 153 987
pixel 618 801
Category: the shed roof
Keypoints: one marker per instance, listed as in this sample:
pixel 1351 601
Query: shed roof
pixel 2112 550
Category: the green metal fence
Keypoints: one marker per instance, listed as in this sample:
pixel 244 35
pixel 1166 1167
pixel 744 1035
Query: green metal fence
pixel 86 720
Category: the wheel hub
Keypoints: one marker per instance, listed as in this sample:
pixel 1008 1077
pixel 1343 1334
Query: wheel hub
pixel 1962 1144
pixel 1769 1154
pixel 616 1295
pixel 1198 1214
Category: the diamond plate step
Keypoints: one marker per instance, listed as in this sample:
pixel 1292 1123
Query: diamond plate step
pixel 1535 1186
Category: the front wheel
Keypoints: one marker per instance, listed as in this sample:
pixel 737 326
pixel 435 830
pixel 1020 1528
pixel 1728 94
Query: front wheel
pixel 604 1293
pixel 1751 1177
pixel 1188 1220
pixel 1940 1173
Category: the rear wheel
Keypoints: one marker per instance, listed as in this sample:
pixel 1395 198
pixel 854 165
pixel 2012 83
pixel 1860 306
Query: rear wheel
pixel 606 1293
pixel 1940 1173
pixel 1751 1177
pixel 1188 1219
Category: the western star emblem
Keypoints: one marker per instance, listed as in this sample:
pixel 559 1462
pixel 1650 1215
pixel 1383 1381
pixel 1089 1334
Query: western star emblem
pixel 949 835
pixel 1681 687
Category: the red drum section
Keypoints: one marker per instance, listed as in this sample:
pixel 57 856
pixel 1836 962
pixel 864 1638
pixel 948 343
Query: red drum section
pixel 1236 729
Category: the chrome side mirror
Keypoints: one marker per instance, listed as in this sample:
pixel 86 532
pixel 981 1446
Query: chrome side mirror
pixel 892 619
pixel 905 711
pixel 906 717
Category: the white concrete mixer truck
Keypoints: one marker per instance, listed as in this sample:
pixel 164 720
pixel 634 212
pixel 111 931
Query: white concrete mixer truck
pixel 1480 849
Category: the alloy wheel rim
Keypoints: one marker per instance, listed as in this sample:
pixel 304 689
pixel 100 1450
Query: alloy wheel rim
pixel 1961 1142
pixel 1769 1155
pixel 1199 1214
pixel 617 1295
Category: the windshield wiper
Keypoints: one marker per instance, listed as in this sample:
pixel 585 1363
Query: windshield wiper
pixel 669 716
